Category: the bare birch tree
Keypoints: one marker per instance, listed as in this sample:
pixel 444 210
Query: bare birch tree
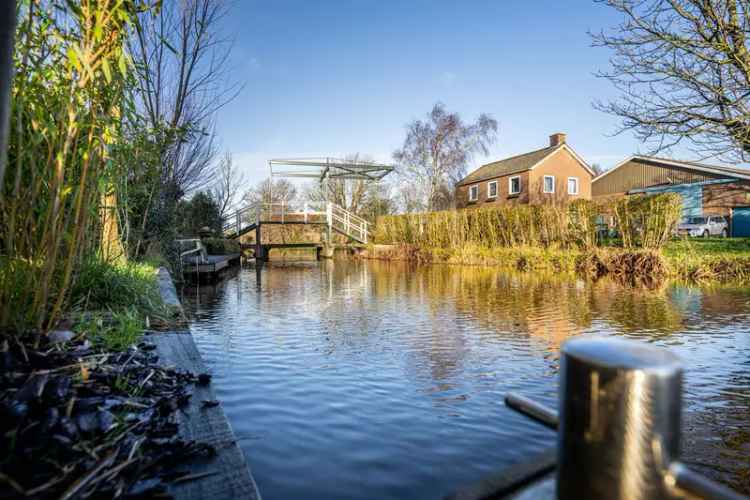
pixel 347 193
pixel 437 151
pixel 229 181
pixel 683 71
pixel 269 191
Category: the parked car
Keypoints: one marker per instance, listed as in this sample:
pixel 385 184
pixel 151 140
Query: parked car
pixel 705 226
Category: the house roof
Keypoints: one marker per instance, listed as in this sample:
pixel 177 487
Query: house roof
pixel 737 173
pixel 518 163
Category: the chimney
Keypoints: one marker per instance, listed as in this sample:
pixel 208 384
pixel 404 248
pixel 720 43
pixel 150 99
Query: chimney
pixel 556 139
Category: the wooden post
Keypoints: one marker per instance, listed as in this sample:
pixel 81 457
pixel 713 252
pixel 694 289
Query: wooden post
pixel 7 33
pixel 259 257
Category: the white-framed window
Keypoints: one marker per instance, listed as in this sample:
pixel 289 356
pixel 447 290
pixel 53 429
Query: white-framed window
pixel 514 184
pixel 549 184
pixel 473 192
pixel 492 189
pixel 572 185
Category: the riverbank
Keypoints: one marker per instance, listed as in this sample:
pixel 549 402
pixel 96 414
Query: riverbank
pixel 121 396
pixel 699 260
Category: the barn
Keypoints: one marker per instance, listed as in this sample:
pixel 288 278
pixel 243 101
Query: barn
pixel 705 189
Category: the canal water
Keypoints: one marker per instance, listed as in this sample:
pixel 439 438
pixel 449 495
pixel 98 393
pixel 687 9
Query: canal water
pixel 360 380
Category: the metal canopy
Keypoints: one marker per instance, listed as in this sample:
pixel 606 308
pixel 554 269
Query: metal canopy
pixel 328 168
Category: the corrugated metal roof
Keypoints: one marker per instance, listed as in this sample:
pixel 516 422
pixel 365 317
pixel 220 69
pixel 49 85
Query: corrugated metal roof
pixel 512 165
pixel 638 172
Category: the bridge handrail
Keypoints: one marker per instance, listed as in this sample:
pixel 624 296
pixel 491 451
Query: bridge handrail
pixel 336 217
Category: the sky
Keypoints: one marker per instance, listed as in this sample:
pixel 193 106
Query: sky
pixel 332 78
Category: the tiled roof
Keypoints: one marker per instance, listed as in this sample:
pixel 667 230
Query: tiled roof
pixel 514 164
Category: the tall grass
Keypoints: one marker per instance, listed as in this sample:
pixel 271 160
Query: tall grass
pixel 647 221
pixel 67 103
pixel 643 221
pixel 503 226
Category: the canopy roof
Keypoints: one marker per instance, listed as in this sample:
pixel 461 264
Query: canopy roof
pixel 331 168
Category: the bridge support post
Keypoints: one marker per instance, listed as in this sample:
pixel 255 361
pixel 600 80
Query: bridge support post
pixel 260 255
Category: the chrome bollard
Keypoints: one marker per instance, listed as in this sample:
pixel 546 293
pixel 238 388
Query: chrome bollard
pixel 619 426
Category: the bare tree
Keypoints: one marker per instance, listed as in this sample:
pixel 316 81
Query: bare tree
pixel 229 181
pixel 270 191
pixel 436 152
pixel 598 169
pixel 181 57
pixel 347 193
pixel 683 71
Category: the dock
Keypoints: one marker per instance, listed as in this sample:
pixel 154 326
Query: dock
pixel 194 264
pixel 226 474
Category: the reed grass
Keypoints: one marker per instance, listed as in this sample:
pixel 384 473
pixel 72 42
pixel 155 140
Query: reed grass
pixel 569 226
pixel 67 102
pixel 647 221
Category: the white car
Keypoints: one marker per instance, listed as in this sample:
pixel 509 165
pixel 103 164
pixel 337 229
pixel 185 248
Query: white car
pixel 705 226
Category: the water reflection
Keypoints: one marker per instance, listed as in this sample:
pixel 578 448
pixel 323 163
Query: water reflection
pixel 389 377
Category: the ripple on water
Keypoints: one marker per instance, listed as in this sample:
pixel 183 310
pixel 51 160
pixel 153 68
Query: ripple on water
pixel 360 380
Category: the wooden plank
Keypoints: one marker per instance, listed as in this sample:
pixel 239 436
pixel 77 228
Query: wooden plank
pixel 229 475
pixel 531 479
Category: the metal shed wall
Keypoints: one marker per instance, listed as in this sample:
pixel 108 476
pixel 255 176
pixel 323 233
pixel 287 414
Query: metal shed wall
pixel 639 174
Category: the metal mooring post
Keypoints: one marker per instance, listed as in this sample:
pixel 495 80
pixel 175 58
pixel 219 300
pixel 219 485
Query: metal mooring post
pixel 619 419
pixel 619 424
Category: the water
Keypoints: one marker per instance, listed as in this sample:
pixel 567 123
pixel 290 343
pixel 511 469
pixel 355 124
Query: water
pixel 348 380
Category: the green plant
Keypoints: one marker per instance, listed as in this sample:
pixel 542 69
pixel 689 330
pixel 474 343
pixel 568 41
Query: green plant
pixel 221 246
pixel 102 285
pixel 114 331
pixel 67 101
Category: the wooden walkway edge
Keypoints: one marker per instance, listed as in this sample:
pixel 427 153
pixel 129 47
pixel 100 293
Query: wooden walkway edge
pixel 227 474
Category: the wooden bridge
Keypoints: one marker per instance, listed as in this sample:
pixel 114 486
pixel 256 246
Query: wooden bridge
pixel 329 215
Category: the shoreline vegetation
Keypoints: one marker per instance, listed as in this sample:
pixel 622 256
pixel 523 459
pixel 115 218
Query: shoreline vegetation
pixel 566 239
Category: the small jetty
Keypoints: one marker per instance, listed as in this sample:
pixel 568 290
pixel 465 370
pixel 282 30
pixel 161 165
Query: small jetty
pixel 226 474
pixel 209 264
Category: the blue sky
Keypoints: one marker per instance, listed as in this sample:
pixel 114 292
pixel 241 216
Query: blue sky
pixel 330 78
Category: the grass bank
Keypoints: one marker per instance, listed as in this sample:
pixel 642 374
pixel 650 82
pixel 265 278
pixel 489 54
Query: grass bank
pixel 718 260
pixel 112 303
pixel 711 259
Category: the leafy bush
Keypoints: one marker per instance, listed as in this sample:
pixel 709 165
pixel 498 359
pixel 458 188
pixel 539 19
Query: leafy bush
pixel 199 211
pixel 221 246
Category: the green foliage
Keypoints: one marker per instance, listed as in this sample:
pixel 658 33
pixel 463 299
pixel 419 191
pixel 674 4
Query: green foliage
pixel 102 285
pixel 647 221
pixel 722 259
pixel 113 332
pixel 68 96
pixel 198 212
pixel 221 246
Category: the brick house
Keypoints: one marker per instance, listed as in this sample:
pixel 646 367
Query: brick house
pixel 705 189
pixel 553 173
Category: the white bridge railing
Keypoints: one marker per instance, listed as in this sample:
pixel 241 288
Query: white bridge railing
pixel 330 214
